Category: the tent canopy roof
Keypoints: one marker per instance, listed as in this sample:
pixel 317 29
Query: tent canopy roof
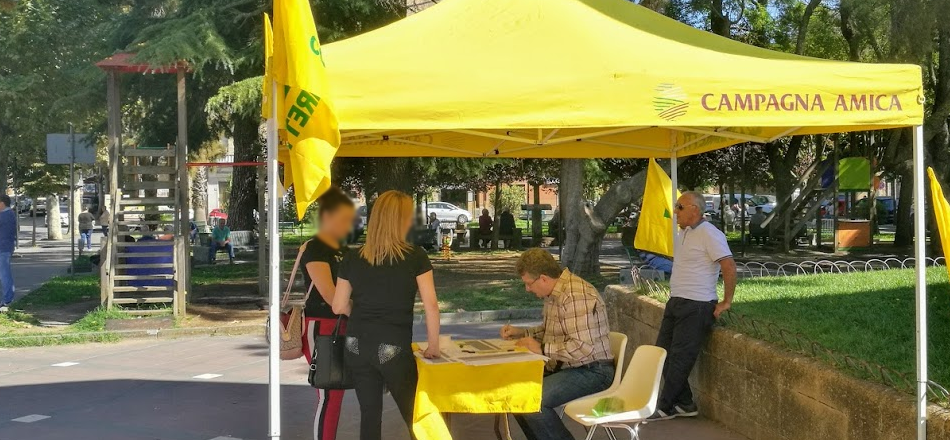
pixel 590 78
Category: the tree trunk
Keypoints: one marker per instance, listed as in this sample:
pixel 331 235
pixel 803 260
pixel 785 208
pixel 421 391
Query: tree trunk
pixel 394 173
pixel 199 194
pixel 903 221
pixel 4 172
pixel 655 5
pixel 536 219
pixel 496 219
pixel 243 197
pixel 719 23
pixel 585 226
pixel 803 26
pixel 581 249
pixel 53 230
pixel 77 204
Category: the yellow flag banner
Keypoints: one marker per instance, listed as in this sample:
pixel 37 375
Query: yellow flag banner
pixel 306 115
pixel 267 100
pixel 941 212
pixel 655 226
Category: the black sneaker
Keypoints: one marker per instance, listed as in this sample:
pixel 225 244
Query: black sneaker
pixel 660 416
pixel 690 410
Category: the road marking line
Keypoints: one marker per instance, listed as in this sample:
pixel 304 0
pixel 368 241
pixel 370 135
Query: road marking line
pixel 65 364
pixel 226 438
pixel 206 376
pixel 30 418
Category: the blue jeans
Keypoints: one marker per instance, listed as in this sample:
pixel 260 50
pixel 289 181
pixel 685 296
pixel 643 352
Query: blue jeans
pixel 560 388
pixel 85 236
pixel 6 278
pixel 214 249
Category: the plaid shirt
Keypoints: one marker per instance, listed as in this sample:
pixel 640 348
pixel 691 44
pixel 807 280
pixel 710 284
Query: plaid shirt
pixel 574 331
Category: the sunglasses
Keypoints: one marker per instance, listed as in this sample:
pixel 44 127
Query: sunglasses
pixel 680 206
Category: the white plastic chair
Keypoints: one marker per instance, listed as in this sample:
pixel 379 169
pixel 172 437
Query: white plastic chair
pixel 618 348
pixel 639 391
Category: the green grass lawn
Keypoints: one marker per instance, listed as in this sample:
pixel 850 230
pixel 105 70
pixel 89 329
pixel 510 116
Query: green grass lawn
pixel 868 315
pixel 19 328
pixel 509 295
pixel 62 290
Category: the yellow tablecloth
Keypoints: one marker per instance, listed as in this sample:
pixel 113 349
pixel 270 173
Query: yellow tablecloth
pixel 460 388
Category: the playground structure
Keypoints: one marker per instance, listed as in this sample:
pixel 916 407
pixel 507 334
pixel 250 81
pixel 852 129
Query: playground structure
pixel 148 188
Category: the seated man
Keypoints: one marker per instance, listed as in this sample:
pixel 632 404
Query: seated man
pixel 756 232
pixel 221 239
pixel 507 226
pixel 657 262
pixel 573 335
pixel 485 223
pixel 436 226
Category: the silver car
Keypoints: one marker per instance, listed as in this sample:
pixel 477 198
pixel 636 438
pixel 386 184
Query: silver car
pixel 447 212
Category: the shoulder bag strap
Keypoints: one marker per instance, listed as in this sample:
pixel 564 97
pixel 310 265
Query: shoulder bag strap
pixel 293 276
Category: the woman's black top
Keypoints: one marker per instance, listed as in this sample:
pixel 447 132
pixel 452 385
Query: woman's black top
pixel 383 296
pixel 320 252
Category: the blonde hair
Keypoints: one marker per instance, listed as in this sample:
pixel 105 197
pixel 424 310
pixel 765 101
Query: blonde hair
pixel 385 241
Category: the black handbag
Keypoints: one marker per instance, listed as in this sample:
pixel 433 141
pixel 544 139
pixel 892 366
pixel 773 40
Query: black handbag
pixel 327 368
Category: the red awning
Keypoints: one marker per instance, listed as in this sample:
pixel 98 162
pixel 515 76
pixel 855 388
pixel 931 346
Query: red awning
pixel 122 62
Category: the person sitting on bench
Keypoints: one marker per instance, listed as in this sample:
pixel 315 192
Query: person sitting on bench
pixel 221 239
pixel 507 226
pixel 757 232
pixel 484 229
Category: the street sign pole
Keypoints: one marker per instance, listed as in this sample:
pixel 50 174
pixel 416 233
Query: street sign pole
pixel 72 202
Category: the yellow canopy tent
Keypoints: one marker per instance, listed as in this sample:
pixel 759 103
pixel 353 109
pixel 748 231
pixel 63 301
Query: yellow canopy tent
pixel 590 78
pixel 602 78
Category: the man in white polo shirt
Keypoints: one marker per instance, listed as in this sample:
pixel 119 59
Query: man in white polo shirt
pixel 699 254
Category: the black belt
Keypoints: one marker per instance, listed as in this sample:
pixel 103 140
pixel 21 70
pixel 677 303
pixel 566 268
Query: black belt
pixel 601 363
pixel 560 365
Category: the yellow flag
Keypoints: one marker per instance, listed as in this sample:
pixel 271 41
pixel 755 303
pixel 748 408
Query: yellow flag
pixel 268 74
pixel 655 226
pixel 306 115
pixel 941 212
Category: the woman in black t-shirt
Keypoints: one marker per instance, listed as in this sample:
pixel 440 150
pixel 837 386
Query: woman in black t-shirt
pixel 321 258
pixel 377 289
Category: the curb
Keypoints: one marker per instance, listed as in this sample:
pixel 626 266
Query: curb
pixel 483 316
pixel 236 330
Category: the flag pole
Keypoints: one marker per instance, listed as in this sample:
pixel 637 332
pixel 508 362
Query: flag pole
pixel 273 277
pixel 920 270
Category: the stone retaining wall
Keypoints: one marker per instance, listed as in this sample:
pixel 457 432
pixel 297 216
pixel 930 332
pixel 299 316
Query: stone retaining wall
pixel 767 393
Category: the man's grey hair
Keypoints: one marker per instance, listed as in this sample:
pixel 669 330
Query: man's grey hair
pixel 697 198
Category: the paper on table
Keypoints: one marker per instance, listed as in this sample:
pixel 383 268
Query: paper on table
pixel 480 352
pixel 443 359
pixel 500 358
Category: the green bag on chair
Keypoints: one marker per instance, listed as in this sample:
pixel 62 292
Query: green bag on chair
pixel 607 406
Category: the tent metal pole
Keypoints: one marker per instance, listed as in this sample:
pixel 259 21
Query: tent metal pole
pixel 273 273
pixel 920 267
pixel 674 178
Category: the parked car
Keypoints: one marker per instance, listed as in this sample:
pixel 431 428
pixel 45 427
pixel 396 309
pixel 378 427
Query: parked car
pixel 39 206
pixel 23 204
pixel 766 201
pixel 447 212
pixel 716 198
pixel 886 209
pixel 63 217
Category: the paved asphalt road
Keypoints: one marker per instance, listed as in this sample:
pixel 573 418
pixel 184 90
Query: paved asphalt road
pixel 202 388
pixel 32 266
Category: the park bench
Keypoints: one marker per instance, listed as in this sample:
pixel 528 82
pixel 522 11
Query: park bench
pixel 241 241
pixel 514 239
pixel 638 268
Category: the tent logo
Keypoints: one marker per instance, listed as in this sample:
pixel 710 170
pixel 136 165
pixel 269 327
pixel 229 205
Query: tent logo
pixel 670 101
